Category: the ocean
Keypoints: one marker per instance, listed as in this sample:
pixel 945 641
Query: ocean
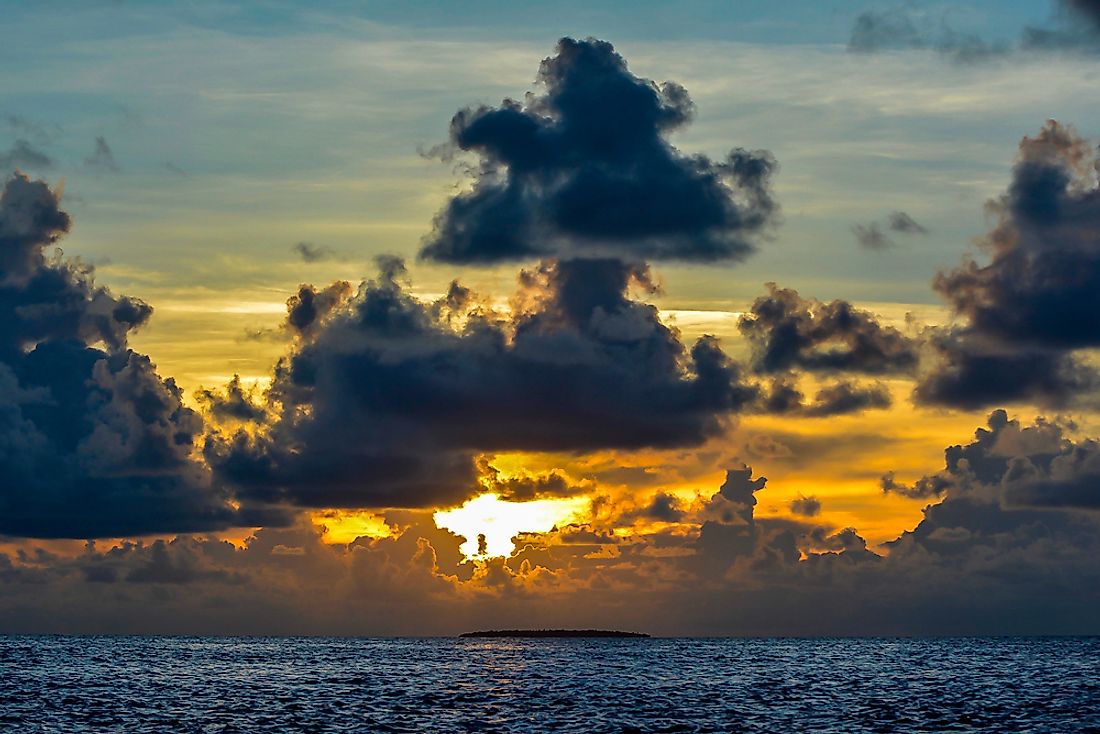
pixel 215 684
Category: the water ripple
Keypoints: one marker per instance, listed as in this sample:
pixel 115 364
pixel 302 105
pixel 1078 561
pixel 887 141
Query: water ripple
pixel 223 685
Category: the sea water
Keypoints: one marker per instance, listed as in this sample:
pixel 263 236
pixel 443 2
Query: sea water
pixel 188 684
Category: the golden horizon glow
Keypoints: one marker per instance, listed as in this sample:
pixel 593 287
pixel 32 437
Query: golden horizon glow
pixel 344 526
pixel 499 521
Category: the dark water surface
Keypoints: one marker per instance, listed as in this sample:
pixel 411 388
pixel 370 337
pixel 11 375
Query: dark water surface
pixel 151 684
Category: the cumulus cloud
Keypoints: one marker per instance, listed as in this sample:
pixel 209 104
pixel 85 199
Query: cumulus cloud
pixel 92 441
pixel 389 402
pixel 234 403
pixel 1016 467
pixel 787 331
pixel 782 397
pixel 309 308
pixel 1031 306
pixel 585 168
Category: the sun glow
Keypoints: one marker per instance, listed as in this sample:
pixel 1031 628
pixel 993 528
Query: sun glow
pixel 344 526
pixel 489 523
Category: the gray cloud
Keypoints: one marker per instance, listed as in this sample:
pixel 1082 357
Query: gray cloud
pixel 92 441
pixel 388 402
pixel 312 253
pixel 23 155
pixel 782 397
pixel 585 168
pixel 874 236
pixel 806 506
pixel 1032 306
pixel 102 159
pixel 787 331
pixel 1074 26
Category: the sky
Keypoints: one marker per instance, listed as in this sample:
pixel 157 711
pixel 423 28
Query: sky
pixel 714 318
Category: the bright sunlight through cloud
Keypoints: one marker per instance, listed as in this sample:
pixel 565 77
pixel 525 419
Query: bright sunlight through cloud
pixel 499 521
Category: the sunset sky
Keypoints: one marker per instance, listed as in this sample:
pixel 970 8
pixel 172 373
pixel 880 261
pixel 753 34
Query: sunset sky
pixel 412 318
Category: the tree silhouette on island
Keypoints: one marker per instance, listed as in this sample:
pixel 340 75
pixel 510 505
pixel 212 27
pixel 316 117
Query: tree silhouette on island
pixel 554 633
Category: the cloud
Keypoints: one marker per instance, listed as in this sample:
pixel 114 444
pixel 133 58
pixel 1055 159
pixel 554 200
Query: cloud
pixel 902 222
pixel 787 331
pixel 979 562
pixel 585 168
pixel 873 237
pixel 235 403
pixel 23 155
pixel 923 489
pixel 806 506
pixel 308 310
pixel 526 487
pixel 1075 27
pixel 102 158
pixel 1088 9
pixel 972 371
pixel 1018 467
pixel 782 397
pixel 311 253
pixel 43 134
pixel 92 441
pixel 903 27
pixel 844 397
pixel 1031 307
pixel 388 403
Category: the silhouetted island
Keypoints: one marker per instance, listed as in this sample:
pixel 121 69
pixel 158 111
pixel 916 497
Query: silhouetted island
pixel 552 633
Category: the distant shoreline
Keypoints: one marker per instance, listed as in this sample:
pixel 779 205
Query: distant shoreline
pixel 543 634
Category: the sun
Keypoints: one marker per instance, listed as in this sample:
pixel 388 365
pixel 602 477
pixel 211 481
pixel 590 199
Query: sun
pixel 489 523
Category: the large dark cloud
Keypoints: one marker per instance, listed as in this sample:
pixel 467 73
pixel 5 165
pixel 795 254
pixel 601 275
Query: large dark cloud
pixel 787 331
pixel 1034 302
pixel 389 402
pixel 92 441
pixel 585 168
